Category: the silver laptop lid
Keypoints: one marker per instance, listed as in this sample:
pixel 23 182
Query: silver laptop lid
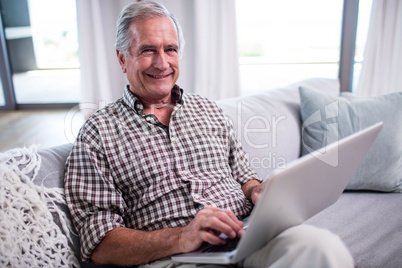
pixel 306 187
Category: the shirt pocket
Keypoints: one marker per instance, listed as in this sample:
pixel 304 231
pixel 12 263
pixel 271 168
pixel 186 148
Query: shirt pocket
pixel 207 149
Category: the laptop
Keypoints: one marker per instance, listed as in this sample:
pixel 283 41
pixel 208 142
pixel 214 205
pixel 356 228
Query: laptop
pixel 307 186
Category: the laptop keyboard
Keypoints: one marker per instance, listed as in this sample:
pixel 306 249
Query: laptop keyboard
pixel 230 245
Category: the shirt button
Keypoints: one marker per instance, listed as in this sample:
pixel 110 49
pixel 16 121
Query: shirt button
pixel 138 106
pixel 196 196
pixel 173 139
pixel 185 172
pixel 148 118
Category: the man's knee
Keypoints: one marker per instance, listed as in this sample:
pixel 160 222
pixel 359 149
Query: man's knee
pixel 306 236
pixel 323 247
pixel 302 246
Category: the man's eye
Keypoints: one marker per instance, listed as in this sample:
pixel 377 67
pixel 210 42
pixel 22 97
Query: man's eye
pixel 147 51
pixel 172 50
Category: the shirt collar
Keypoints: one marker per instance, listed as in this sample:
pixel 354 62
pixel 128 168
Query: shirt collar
pixel 133 102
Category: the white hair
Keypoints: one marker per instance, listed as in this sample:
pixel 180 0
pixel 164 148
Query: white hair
pixel 137 11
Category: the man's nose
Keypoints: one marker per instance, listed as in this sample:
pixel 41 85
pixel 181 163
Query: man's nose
pixel 161 61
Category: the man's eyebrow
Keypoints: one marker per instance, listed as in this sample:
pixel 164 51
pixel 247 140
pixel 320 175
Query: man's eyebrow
pixel 149 46
pixel 173 46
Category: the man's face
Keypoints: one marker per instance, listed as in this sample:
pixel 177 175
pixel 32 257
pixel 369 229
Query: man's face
pixel 152 67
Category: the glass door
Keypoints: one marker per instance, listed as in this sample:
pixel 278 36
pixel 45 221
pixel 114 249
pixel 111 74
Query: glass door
pixel 42 49
pixel 282 42
pixel 7 99
pixel 2 99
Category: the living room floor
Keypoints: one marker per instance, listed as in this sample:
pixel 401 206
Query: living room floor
pixel 43 128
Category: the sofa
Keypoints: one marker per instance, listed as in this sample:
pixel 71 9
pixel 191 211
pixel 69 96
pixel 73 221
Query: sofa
pixel 271 127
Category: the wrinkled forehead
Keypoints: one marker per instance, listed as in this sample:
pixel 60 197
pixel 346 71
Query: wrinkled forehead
pixel 144 19
pixel 153 26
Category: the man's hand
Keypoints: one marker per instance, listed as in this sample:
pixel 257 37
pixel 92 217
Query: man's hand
pixel 124 246
pixel 256 192
pixel 252 190
pixel 207 225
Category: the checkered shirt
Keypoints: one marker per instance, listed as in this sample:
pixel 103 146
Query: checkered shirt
pixel 127 169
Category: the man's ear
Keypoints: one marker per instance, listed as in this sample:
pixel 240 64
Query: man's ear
pixel 122 60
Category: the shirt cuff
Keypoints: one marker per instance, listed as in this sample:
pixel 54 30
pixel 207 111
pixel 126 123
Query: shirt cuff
pixel 95 229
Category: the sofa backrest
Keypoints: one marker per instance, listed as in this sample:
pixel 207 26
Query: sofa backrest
pixel 269 124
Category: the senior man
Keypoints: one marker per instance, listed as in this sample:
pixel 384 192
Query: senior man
pixel 160 171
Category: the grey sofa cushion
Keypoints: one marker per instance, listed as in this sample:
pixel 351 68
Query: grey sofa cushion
pixel 51 175
pixel 381 169
pixel 370 225
pixel 268 124
pixel 51 172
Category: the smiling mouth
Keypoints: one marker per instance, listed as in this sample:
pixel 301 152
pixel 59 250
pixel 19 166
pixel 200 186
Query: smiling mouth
pixel 158 76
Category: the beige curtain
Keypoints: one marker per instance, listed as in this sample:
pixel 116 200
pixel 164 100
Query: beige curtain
pixel 382 66
pixel 101 78
pixel 216 68
pixel 210 64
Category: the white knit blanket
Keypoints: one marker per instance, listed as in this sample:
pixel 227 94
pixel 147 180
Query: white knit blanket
pixel 28 235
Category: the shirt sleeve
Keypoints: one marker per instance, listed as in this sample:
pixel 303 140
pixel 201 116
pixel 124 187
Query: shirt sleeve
pixel 96 206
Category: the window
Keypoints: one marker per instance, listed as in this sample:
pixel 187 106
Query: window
pixel 42 45
pixel 2 100
pixel 54 33
pixel 285 41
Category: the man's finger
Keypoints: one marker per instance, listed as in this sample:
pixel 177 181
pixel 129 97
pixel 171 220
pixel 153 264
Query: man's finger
pixel 223 222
